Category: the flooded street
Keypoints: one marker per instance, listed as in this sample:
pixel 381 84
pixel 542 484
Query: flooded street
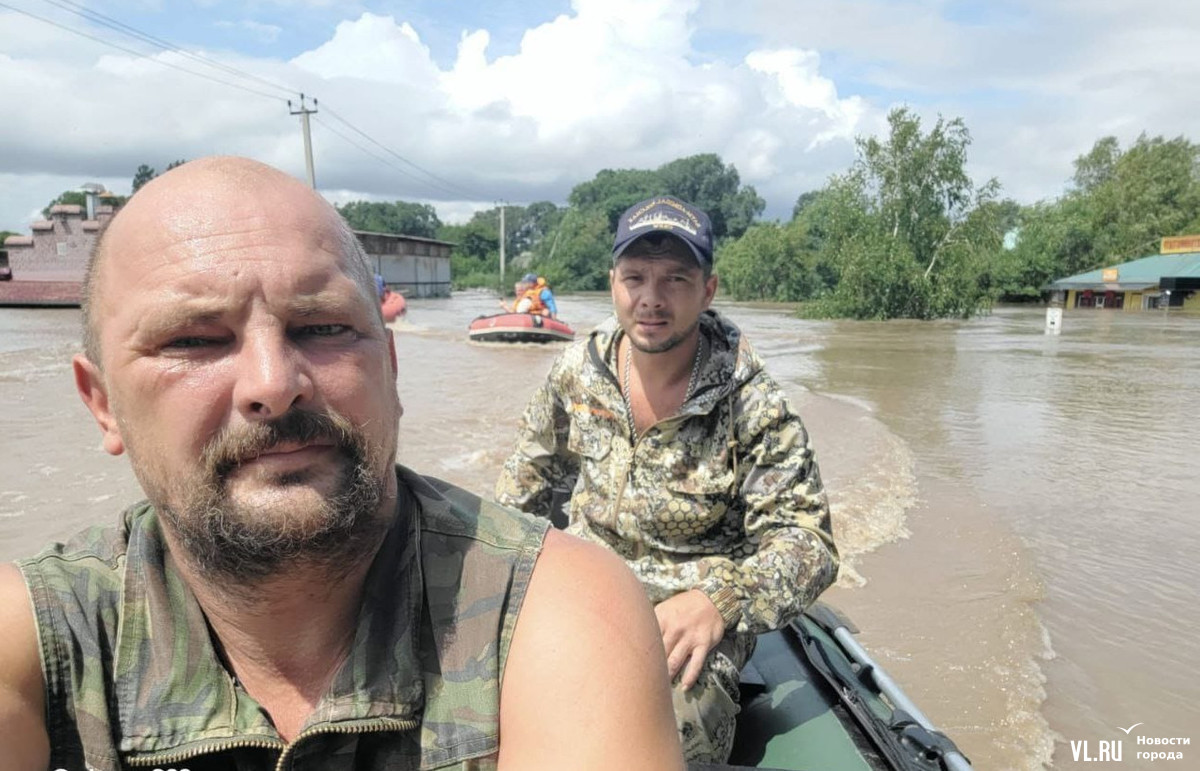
pixel 1017 512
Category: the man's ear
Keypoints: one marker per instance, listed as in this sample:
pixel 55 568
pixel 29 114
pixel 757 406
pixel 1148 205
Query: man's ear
pixel 89 381
pixel 710 290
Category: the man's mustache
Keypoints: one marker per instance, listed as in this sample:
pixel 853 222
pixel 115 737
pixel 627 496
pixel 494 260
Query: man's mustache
pixel 235 446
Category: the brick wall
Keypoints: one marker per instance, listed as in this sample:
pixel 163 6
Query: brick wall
pixel 58 248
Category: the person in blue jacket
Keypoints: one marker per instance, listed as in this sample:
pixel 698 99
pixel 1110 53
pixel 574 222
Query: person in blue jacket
pixel 539 293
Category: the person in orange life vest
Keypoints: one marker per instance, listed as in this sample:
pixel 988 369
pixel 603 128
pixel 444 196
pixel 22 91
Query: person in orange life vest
pixel 541 299
pixel 521 303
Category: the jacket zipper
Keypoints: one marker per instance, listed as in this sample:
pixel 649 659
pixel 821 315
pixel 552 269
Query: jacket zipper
pixel 599 363
pixel 285 750
pixel 640 550
pixel 378 724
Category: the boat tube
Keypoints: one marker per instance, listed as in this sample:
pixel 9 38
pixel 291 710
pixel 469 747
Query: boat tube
pixel 519 328
pixel 392 305
pixel 813 699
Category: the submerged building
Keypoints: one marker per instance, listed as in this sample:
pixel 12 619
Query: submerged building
pixel 1170 279
pixel 46 267
pixel 411 265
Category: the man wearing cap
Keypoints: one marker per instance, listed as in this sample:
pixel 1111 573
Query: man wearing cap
pixel 682 455
pixel 288 597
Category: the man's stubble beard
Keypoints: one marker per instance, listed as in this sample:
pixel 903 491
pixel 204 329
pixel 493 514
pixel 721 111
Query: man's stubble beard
pixel 670 343
pixel 238 545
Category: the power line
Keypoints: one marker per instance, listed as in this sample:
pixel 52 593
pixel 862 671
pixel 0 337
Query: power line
pixel 439 182
pixel 139 54
pixel 166 45
pixel 385 159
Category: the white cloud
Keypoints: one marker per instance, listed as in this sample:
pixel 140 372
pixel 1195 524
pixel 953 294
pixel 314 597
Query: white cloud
pixel 799 85
pixel 263 33
pixel 1036 82
pixel 615 84
pixel 373 48
pixel 612 84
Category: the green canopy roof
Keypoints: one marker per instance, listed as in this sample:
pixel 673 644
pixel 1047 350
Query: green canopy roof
pixel 1145 273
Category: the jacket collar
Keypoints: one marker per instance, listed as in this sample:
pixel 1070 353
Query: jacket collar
pixel 729 361
pixel 172 690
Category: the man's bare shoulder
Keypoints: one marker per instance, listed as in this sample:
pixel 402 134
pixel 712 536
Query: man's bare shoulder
pixel 23 742
pixel 585 684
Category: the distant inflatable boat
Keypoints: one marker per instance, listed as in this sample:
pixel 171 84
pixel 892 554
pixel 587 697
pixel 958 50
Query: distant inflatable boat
pixel 393 305
pixel 519 328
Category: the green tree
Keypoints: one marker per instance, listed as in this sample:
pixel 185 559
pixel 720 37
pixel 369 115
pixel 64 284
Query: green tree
pixel 611 192
pixel 1053 240
pixel 69 198
pixel 475 258
pixel 79 198
pixel 806 200
pixel 1149 191
pixel 1120 204
pixel 704 181
pixel 574 250
pixel 143 175
pixel 769 262
pixel 533 224
pixel 404 217
pixel 581 254
pixel 1098 166
pixel 907 233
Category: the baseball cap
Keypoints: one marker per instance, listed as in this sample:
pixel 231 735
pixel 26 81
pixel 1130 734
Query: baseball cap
pixel 666 214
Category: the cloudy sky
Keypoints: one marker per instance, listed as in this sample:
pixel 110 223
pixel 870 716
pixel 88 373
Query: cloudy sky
pixel 464 103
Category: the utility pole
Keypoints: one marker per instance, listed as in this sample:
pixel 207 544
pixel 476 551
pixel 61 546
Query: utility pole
pixel 304 112
pixel 502 284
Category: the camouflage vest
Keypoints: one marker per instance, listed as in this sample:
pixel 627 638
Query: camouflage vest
pixel 133 680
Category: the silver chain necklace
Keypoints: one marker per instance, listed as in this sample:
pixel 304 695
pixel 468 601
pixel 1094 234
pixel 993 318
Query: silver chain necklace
pixel 691 386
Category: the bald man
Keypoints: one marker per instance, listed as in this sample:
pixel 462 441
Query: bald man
pixel 287 596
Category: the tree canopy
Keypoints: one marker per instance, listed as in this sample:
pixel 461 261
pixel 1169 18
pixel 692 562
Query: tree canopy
pixel 143 175
pixel 1121 202
pixel 578 255
pixel 79 198
pixel 413 219
pixel 146 173
pixel 903 233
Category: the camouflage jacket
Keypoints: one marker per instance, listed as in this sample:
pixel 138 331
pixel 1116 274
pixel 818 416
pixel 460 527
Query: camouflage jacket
pixel 724 497
pixel 133 680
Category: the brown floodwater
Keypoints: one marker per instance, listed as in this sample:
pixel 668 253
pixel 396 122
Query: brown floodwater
pixel 1018 513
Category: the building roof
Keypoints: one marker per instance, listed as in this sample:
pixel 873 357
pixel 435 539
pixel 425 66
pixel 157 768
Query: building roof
pixel 1145 273
pixel 403 237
